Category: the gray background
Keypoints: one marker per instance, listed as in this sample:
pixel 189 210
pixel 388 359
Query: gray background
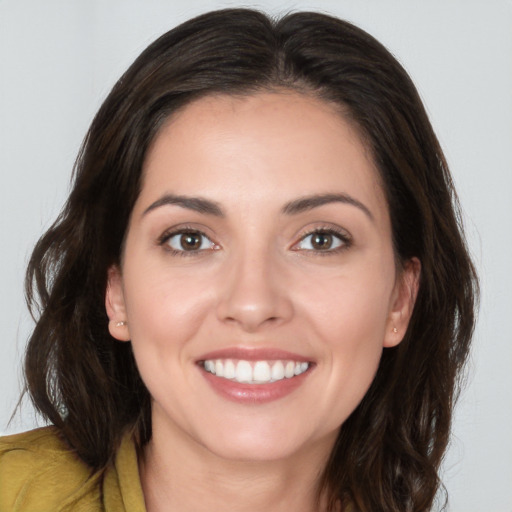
pixel 58 60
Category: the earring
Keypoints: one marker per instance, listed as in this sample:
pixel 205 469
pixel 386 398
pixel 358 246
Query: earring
pixel 121 324
pixel 395 330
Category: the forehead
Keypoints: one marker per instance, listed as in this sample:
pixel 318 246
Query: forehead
pixel 268 145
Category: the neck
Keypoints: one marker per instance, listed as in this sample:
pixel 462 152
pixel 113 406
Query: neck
pixel 178 474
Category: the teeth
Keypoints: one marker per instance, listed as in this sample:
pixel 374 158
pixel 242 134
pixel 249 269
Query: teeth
pixel 229 369
pixel 278 370
pixel 219 368
pixel 289 370
pixel 256 372
pixel 261 372
pixel 243 371
pixel 300 368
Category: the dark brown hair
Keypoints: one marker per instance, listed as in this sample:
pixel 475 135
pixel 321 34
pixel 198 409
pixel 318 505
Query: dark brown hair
pixel 389 451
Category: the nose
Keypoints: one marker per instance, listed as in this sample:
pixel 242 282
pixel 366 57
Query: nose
pixel 254 293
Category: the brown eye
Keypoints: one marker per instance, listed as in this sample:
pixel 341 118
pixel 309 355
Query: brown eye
pixel 189 241
pixel 321 241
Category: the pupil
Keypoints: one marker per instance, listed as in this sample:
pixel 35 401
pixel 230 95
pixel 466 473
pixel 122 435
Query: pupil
pixel 190 241
pixel 321 241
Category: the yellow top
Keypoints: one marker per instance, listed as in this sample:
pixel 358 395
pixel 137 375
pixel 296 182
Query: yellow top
pixel 39 473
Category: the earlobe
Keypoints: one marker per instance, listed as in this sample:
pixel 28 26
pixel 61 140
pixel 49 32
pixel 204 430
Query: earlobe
pixel 402 305
pixel 115 305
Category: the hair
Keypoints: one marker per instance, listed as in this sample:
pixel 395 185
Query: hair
pixel 389 451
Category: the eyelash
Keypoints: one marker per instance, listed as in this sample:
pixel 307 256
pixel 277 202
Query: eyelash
pixel 342 236
pixel 164 239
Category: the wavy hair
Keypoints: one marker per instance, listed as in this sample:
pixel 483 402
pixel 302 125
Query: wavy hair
pixel 388 452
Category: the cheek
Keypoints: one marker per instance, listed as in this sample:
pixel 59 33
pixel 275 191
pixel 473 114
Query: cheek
pixel 350 307
pixel 165 313
pixel 352 328
pixel 349 317
pixel 163 308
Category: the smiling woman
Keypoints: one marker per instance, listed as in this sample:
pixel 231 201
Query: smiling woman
pixel 275 276
pixel 249 298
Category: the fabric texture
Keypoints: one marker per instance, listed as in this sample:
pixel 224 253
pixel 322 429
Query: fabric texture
pixel 40 473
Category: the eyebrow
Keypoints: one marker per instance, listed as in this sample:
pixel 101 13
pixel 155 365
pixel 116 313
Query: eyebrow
pixel 197 204
pixel 206 206
pixel 309 202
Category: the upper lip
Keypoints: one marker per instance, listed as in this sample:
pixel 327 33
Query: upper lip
pixel 254 354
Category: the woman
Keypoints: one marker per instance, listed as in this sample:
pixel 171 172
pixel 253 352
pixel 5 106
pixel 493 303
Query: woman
pixel 258 293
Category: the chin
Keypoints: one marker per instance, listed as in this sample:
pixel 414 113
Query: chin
pixel 266 443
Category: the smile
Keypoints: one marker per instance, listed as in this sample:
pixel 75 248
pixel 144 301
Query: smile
pixel 255 372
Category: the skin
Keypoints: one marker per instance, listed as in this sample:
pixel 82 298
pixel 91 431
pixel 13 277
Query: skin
pixel 255 282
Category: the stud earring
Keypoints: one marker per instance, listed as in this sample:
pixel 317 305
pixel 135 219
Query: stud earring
pixel 395 330
pixel 121 324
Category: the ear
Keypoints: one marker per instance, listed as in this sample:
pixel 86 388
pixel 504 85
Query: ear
pixel 115 305
pixel 402 302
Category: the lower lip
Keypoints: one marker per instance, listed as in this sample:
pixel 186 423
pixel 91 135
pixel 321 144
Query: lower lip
pixel 254 393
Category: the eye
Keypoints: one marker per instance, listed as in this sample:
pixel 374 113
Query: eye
pixel 323 240
pixel 187 241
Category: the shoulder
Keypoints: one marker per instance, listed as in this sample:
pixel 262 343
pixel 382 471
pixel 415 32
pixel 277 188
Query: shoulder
pixel 39 473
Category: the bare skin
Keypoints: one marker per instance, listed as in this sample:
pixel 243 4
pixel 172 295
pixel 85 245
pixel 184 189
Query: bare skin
pixel 261 229
pixel 194 482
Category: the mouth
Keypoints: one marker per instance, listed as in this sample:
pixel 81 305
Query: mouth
pixel 255 372
pixel 255 376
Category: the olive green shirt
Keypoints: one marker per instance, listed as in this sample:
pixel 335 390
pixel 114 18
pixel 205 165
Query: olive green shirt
pixel 39 473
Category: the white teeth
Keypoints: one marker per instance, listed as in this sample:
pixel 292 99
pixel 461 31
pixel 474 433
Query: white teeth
pixel 278 370
pixel 229 369
pixel 300 368
pixel 261 372
pixel 257 372
pixel 243 371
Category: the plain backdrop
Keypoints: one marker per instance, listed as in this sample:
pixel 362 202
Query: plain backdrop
pixel 58 60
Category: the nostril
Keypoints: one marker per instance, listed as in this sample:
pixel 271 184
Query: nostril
pixel 252 299
pixel 253 320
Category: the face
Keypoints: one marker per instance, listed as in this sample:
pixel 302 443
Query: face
pixel 258 279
